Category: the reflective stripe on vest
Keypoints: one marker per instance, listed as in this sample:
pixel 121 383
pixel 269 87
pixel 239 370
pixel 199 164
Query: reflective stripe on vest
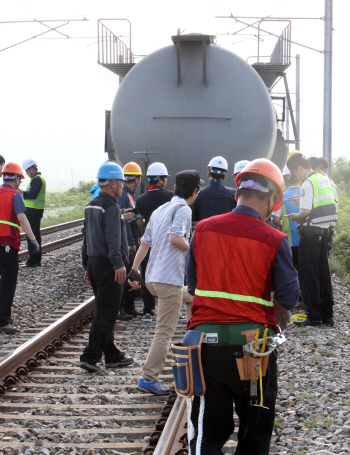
pixel 226 295
pixel 323 204
pixel 323 194
pixel 39 202
pixel 9 223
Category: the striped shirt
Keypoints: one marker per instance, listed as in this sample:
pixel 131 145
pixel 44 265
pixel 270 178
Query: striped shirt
pixel 167 263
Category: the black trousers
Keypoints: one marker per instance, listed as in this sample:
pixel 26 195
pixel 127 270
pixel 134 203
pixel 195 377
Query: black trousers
pixel 128 300
pixel 315 277
pixel 223 388
pixel 34 218
pixel 108 294
pixel 8 282
pixel 149 301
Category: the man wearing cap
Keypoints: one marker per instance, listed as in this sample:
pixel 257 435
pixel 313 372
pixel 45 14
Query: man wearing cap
pixel 132 179
pixel 316 220
pixel 238 167
pixel 34 200
pixel 215 198
pixel 155 196
pixel 167 234
pixel 12 217
pixel 105 256
pixel 232 303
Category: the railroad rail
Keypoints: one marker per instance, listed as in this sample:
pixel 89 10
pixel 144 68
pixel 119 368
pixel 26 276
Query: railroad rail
pixel 56 244
pixel 48 402
pixel 58 227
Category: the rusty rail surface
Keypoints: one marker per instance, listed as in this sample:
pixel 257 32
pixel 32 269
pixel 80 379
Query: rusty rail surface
pixel 58 227
pixel 55 245
pixel 26 356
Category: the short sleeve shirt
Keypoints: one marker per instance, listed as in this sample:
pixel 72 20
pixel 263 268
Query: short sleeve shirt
pixel 306 197
pixel 18 203
pixel 167 263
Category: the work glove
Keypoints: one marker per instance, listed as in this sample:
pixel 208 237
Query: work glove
pixel 35 245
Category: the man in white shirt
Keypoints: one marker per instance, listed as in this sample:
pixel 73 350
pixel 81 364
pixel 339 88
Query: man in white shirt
pixel 168 234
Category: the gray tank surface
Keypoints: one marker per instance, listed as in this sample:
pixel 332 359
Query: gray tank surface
pixel 189 102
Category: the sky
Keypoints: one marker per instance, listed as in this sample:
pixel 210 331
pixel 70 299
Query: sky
pixel 53 93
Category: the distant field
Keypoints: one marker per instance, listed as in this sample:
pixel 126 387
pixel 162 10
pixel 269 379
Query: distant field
pixel 66 205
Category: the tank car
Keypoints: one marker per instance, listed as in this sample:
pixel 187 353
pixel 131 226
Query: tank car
pixel 190 101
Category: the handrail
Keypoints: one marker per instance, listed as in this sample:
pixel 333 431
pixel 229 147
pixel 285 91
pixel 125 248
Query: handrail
pixel 111 49
pixel 282 51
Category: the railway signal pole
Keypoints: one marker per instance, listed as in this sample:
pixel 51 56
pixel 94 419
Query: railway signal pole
pixel 327 89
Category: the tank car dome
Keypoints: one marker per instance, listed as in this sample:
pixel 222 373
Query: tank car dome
pixel 190 102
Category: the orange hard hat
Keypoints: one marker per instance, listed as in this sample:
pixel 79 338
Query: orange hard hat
pixel 13 168
pixel 268 169
pixel 132 168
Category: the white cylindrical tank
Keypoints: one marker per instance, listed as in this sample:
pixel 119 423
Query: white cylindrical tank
pixel 189 102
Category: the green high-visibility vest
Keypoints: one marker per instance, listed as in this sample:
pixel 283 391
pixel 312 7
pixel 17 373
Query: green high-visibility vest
pixel 323 205
pixel 39 202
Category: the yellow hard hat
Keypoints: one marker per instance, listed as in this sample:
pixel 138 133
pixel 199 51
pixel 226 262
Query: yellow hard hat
pixel 292 153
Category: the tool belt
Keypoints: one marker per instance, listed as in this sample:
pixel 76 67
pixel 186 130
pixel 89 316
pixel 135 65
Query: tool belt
pixel 228 334
pixel 239 334
pixel 187 365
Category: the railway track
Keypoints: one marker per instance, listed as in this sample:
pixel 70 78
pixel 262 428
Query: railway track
pixel 49 403
pixel 56 244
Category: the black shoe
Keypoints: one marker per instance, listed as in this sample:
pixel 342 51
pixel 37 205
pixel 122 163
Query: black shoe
pixel 31 264
pixel 122 316
pixel 120 363
pixel 307 323
pixel 9 329
pixel 132 312
pixel 90 367
pixel 329 321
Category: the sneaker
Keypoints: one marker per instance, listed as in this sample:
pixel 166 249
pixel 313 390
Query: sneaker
pixel 182 317
pixel 90 367
pixel 147 318
pixel 118 327
pixel 31 264
pixel 122 316
pixel 120 363
pixel 9 329
pixel 155 387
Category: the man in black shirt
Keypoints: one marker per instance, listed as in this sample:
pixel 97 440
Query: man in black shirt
pixel 147 203
pixel 216 198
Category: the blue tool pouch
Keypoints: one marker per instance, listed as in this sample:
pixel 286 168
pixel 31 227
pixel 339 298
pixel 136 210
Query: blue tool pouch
pixel 187 365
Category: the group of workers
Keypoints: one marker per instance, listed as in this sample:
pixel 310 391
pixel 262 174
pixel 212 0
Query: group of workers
pixel 23 209
pixel 231 264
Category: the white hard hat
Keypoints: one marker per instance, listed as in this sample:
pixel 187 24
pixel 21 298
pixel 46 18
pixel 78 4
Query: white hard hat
pixel 219 163
pixel 157 170
pixel 285 171
pixel 239 166
pixel 28 163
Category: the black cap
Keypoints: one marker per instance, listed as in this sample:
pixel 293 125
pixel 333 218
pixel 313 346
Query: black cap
pixel 188 178
pixel 294 161
pixel 315 163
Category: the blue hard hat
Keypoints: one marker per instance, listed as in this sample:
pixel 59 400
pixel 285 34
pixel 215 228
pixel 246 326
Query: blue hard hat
pixel 111 171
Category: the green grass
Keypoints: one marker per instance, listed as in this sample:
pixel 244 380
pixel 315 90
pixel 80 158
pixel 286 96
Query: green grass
pixel 326 423
pixel 63 206
pixel 326 352
pixel 311 423
pixel 307 395
pixel 276 424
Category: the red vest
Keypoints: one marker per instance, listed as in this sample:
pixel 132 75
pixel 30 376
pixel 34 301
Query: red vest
pixel 235 256
pixel 9 234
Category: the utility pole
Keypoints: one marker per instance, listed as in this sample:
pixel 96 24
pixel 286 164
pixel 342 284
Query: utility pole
pixel 297 95
pixel 327 88
pixel 287 123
